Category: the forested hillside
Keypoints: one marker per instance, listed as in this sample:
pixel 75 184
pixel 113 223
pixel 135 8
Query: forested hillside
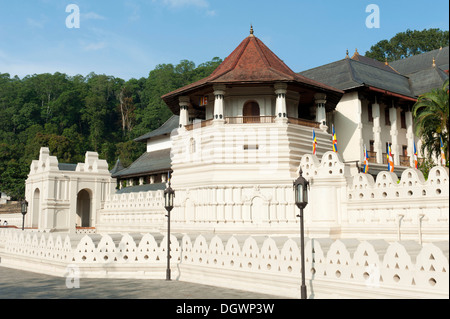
pixel 75 114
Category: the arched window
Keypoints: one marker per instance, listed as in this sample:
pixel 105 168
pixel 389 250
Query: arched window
pixel 192 145
pixel 250 112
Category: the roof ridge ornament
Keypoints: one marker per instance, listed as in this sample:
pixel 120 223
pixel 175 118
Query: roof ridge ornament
pixel 251 30
pixel 434 62
pixel 355 55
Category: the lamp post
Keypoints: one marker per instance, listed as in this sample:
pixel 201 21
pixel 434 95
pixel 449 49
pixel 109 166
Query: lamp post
pixel 169 194
pixel 301 200
pixel 24 209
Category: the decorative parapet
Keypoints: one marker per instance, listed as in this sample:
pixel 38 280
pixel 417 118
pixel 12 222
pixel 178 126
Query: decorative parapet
pixel 45 162
pixel 331 164
pixel 140 212
pixel 93 164
pixel 411 186
pixel 132 201
pixel 346 268
pixel 385 207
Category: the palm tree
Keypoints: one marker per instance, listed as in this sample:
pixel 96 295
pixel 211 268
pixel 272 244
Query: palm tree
pixel 431 120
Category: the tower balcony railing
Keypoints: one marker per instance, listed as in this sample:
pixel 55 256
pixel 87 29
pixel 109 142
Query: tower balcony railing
pixel 249 119
pixel 205 123
pixel 404 160
pixel 303 122
pixel 253 120
pixel 372 156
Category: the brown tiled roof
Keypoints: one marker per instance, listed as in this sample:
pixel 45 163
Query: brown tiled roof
pixel 251 62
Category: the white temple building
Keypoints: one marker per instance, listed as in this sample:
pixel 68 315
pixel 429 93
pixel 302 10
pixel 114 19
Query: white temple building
pixel 235 144
pixel 232 149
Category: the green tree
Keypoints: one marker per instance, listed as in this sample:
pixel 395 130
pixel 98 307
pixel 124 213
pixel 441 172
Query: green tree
pixel 128 152
pixel 408 43
pixel 431 120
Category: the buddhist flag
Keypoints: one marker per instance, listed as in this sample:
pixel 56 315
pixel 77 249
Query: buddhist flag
pixel 204 100
pixel 390 159
pixel 334 140
pixel 366 161
pixel 314 143
pixel 442 152
pixel 416 162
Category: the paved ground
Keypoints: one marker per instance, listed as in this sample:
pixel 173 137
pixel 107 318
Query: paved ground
pixel 17 284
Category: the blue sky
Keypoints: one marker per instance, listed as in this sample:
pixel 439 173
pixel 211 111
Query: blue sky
pixel 128 38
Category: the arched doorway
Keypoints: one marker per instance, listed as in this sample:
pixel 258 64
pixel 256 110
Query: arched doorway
pixel 83 209
pixel 251 112
pixel 257 210
pixel 36 208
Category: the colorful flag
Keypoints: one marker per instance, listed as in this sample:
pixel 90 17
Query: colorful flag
pixel 442 152
pixel 390 159
pixel 366 161
pixel 416 162
pixel 334 140
pixel 204 100
pixel 314 143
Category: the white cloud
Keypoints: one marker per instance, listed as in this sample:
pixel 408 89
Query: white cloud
pixel 92 16
pixel 94 46
pixel 181 3
pixel 134 8
pixel 35 23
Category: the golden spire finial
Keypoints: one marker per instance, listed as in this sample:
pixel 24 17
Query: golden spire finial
pixel 386 62
pixel 434 61
pixel 346 54
pixel 251 29
pixel 356 51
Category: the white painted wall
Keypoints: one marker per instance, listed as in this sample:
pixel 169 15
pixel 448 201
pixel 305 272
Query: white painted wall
pixel 160 143
pixel 333 268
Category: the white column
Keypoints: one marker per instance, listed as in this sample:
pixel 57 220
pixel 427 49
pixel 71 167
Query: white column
pixel 377 132
pixel 320 100
pixel 394 134
pixel 184 115
pixel 359 129
pixel 218 115
pixel 321 115
pixel 280 105
pixel 410 136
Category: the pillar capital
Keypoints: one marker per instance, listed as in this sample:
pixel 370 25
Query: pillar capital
pixel 184 100
pixel 320 98
pixel 219 89
pixel 280 88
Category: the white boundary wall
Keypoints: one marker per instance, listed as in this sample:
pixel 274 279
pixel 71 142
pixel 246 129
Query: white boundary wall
pixel 341 205
pixel 133 212
pixel 345 268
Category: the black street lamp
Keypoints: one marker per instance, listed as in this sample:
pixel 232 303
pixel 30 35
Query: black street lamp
pixel 169 195
pixel 24 209
pixel 301 200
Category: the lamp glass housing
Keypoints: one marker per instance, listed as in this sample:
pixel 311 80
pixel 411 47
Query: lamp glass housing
pixel 24 206
pixel 301 191
pixel 169 195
